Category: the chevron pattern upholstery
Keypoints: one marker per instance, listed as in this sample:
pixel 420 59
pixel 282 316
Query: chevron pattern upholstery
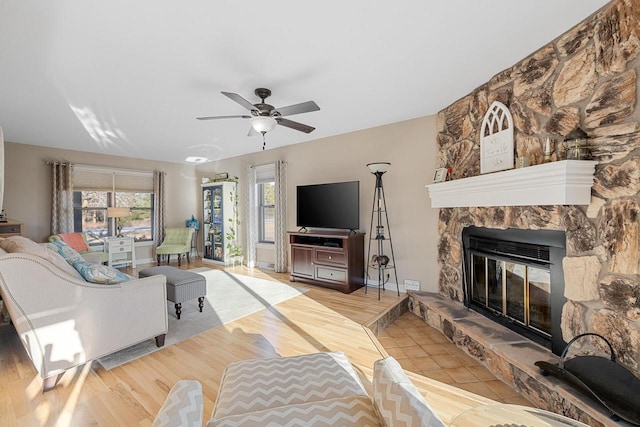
pixel 354 411
pixel 256 385
pixel 312 390
pixel 183 406
pixel 397 400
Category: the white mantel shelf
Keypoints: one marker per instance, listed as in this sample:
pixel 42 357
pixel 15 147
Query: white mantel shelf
pixel 567 182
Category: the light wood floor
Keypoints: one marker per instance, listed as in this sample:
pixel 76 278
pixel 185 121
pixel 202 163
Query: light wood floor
pixel 318 320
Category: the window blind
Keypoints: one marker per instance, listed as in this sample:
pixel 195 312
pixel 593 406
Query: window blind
pixel 94 178
pixel 265 173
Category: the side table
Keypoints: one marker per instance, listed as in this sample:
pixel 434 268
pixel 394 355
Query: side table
pixel 11 227
pixel 121 249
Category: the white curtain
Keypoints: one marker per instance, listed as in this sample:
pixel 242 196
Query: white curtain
pixel 251 213
pixel 274 172
pixel 158 200
pixel 281 217
pixel 62 198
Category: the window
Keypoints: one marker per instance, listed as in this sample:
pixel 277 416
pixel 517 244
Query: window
pixel 90 214
pixel 267 211
pixel 98 188
pixel 139 224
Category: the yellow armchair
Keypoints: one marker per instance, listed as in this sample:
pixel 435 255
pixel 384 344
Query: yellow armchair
pixel 177 241
pixel 78 241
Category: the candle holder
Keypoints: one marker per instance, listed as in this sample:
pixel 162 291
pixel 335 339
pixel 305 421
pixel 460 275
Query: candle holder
pixel 577 145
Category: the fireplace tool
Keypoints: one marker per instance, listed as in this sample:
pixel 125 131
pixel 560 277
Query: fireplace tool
pixel 600 378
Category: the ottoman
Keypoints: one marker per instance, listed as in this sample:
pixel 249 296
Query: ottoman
pixel 311 389
pixel 182 285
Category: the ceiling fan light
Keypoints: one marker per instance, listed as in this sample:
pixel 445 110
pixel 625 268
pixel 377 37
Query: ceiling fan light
pixel 263 124
pixel 196 159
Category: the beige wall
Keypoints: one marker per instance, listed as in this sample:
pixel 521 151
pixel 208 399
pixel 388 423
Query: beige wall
pixel 27 196
pixel 409 146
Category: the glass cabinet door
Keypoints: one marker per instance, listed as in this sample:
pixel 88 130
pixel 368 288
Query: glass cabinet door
pixel 206 222
pixel 217 223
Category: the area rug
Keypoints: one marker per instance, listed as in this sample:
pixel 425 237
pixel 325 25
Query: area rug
pixel 229 297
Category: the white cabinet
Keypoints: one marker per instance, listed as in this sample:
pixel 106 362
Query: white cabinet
pixel 121 250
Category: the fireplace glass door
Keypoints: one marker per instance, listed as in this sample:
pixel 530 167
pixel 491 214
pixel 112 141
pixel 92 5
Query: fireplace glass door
pixel 519 292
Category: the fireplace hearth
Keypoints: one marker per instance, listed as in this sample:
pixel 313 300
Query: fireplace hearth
pixel 515 277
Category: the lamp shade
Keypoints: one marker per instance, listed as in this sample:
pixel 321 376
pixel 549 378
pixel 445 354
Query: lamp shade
pixel 118 212
pixel 263 124
pixel 378 167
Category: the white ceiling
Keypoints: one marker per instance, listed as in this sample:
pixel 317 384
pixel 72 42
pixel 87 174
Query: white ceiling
pixel 129 77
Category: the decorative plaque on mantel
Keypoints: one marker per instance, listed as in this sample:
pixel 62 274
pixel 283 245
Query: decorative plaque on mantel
pixel 496 139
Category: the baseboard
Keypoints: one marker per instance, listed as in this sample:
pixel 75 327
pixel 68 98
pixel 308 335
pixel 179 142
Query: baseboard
pixel 267 265
pixel 387 286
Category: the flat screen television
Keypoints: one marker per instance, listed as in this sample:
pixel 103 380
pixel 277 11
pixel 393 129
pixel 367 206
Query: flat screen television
pixel 335 205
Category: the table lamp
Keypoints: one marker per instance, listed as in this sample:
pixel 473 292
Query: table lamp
pixel 118 213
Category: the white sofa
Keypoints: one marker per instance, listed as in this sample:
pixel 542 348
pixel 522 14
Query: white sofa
pixel 64 321
pixel 321 389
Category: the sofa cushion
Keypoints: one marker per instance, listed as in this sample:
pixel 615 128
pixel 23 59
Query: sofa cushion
pixel 66 251
pixel 19 244
pixel 342 411
pixel 397 400
pixel 101 274
pixel 256 385
pixel 75 240
pixel 182 407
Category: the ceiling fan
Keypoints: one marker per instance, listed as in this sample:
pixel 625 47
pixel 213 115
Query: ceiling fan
pixel 265 117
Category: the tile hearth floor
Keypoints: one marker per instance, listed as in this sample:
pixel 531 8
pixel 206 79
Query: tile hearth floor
pixel 421 349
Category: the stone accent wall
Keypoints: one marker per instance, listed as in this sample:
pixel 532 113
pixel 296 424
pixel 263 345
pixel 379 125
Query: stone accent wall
pixel 588 77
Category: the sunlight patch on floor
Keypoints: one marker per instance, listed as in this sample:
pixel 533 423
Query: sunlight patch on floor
pixel 66 416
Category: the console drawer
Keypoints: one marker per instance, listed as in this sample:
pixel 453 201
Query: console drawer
pixel 121 244
pixel 330 274
pixel 331 257
pixel 11 229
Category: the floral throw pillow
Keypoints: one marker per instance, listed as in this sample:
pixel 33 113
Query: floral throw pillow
pixel 67 252
pixel 100 274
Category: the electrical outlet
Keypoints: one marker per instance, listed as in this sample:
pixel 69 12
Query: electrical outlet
pixel 411 285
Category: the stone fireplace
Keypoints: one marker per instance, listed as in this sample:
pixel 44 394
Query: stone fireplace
pixel 515 278
pixel 588 78
pixel 585 78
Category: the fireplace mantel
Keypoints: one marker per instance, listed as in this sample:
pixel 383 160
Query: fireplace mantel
pixel 566 182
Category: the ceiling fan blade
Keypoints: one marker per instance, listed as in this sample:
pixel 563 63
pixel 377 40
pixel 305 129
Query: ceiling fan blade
pixel 295 125
pixel 240 100
pixel 303 107
pixel 223 117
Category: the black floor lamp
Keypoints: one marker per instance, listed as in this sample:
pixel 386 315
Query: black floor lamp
pixel 380 262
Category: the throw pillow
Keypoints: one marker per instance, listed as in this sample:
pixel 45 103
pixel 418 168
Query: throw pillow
pixel 19 244
pixel 100 274
pixel 397 400
pixel 182 407
pixel 75 240
pixel 66 251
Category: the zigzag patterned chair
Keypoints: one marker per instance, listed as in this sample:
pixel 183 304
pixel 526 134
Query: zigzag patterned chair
pixel 321 389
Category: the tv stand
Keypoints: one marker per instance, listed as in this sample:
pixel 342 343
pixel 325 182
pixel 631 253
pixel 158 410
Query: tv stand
pixel 332 259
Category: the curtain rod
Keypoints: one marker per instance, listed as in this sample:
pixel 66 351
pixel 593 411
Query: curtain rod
pixel 103 169
pixel 267 164
pixel 51 162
